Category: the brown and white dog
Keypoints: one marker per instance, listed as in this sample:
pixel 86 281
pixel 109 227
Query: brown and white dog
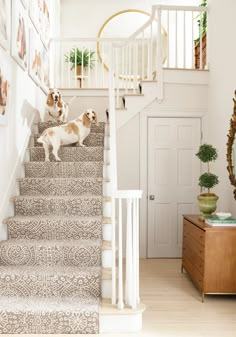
pixel 56 108
pixel 72 132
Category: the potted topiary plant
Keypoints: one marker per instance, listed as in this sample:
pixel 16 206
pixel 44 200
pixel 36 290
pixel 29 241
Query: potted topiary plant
pixel 207 201
pixel 80 58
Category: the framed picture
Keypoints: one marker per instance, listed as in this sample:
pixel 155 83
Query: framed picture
pixel 5 23
pixel 5 86
pixel 45 23
pixel 19 41
pixel 35 13
pixel 25 3
pixel 35 57
pixel 45 83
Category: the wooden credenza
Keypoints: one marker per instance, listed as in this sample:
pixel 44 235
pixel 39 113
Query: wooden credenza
pixel 209 256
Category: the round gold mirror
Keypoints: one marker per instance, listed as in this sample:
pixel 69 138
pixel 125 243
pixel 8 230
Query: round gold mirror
pixel 122 25
pixel 231 148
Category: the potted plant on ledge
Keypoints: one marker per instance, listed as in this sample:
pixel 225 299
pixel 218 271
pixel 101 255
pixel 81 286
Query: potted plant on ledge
pixel 200 47
pixel 80 58
pixel 207 201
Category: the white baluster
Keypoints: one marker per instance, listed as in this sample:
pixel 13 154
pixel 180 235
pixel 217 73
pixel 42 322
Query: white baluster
pixel 193 45
pixel 200 28
pixel 135 257
pixel 137 247
pixel 120 263
pixel 129 243
pixel 113 221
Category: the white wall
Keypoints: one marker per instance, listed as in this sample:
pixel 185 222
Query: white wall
pixel 85 18
pixel 27 102
pixel 222 83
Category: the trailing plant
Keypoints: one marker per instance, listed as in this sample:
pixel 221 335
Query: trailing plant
pixel 80 57
pixel 202 25
pixel 207 153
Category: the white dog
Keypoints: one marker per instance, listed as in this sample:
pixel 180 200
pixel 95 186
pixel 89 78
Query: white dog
pixel 56 108
pixel 69 133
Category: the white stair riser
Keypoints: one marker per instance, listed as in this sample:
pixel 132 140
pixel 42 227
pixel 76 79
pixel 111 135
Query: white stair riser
pixel 120 323
pixel 106 171
pixel 107 232
pixel 107 258
pixel 107 156
pixel 107 209
pixel 107 189
pixel 106 287
pixel 107 142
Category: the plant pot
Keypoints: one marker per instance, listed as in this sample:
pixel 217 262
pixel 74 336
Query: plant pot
pixel 78 70
pixel 198 52
pixel 207 204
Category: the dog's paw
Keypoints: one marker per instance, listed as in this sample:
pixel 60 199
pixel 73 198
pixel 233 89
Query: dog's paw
pixel 47 159
pixel 58 159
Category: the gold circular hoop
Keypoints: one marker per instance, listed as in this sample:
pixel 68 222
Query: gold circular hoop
pixel 115 15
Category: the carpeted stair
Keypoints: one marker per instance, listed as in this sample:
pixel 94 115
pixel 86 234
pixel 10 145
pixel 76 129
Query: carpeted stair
pixel 50 266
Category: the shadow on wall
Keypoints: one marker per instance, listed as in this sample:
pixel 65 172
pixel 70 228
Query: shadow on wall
pixel 29 114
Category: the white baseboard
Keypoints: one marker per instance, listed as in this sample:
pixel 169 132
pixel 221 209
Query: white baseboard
pixel 7 208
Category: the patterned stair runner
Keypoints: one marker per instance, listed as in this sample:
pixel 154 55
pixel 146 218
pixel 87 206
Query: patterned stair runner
pixel 50 266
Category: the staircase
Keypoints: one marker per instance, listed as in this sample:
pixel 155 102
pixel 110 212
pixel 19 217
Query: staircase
pixel 50 266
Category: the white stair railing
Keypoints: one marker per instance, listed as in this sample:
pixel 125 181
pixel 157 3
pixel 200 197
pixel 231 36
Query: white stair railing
pixel 132 224
pixel 173 37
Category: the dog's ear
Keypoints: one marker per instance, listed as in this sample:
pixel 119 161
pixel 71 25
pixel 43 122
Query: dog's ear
pixel 50 99
pixel 60 102
pixel 86 120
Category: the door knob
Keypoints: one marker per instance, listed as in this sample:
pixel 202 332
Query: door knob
pixel 151 197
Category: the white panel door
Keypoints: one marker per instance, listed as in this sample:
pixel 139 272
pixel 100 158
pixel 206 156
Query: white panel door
pixel 173 172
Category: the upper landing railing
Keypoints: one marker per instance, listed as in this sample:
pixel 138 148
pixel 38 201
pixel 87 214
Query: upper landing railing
pixel 173 37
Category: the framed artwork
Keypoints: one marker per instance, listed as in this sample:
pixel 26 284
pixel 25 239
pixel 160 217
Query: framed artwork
pixel 19 41
pixel 35 57
pixel 35 13
pixel 45 22
pixel 25 3
pixel 5 23
pixel 5 86
pixel 45 83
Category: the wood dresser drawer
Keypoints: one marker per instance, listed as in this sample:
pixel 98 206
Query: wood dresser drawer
pixel 196 276
pixel 196 247
pixel 196 260
pixel 195 232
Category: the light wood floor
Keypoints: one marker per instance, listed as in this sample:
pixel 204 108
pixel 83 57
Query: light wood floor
pixel 174 307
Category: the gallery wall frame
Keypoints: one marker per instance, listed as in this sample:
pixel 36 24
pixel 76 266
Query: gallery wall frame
pixel 45 23
pixel 20 34
pixel 5 87
pixel 39 13
pixel 35 9
pixel 45 83
pixel 25 3
pixel 5 24
pixel 35 56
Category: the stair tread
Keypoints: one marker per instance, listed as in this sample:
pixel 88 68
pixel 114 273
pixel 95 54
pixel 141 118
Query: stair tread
pixel 50 270
pixel 51 243
pixel 78 153
pixel 44 125
pixel 53 218
pixel 57 197
pixel 62 178
pixel 35 304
